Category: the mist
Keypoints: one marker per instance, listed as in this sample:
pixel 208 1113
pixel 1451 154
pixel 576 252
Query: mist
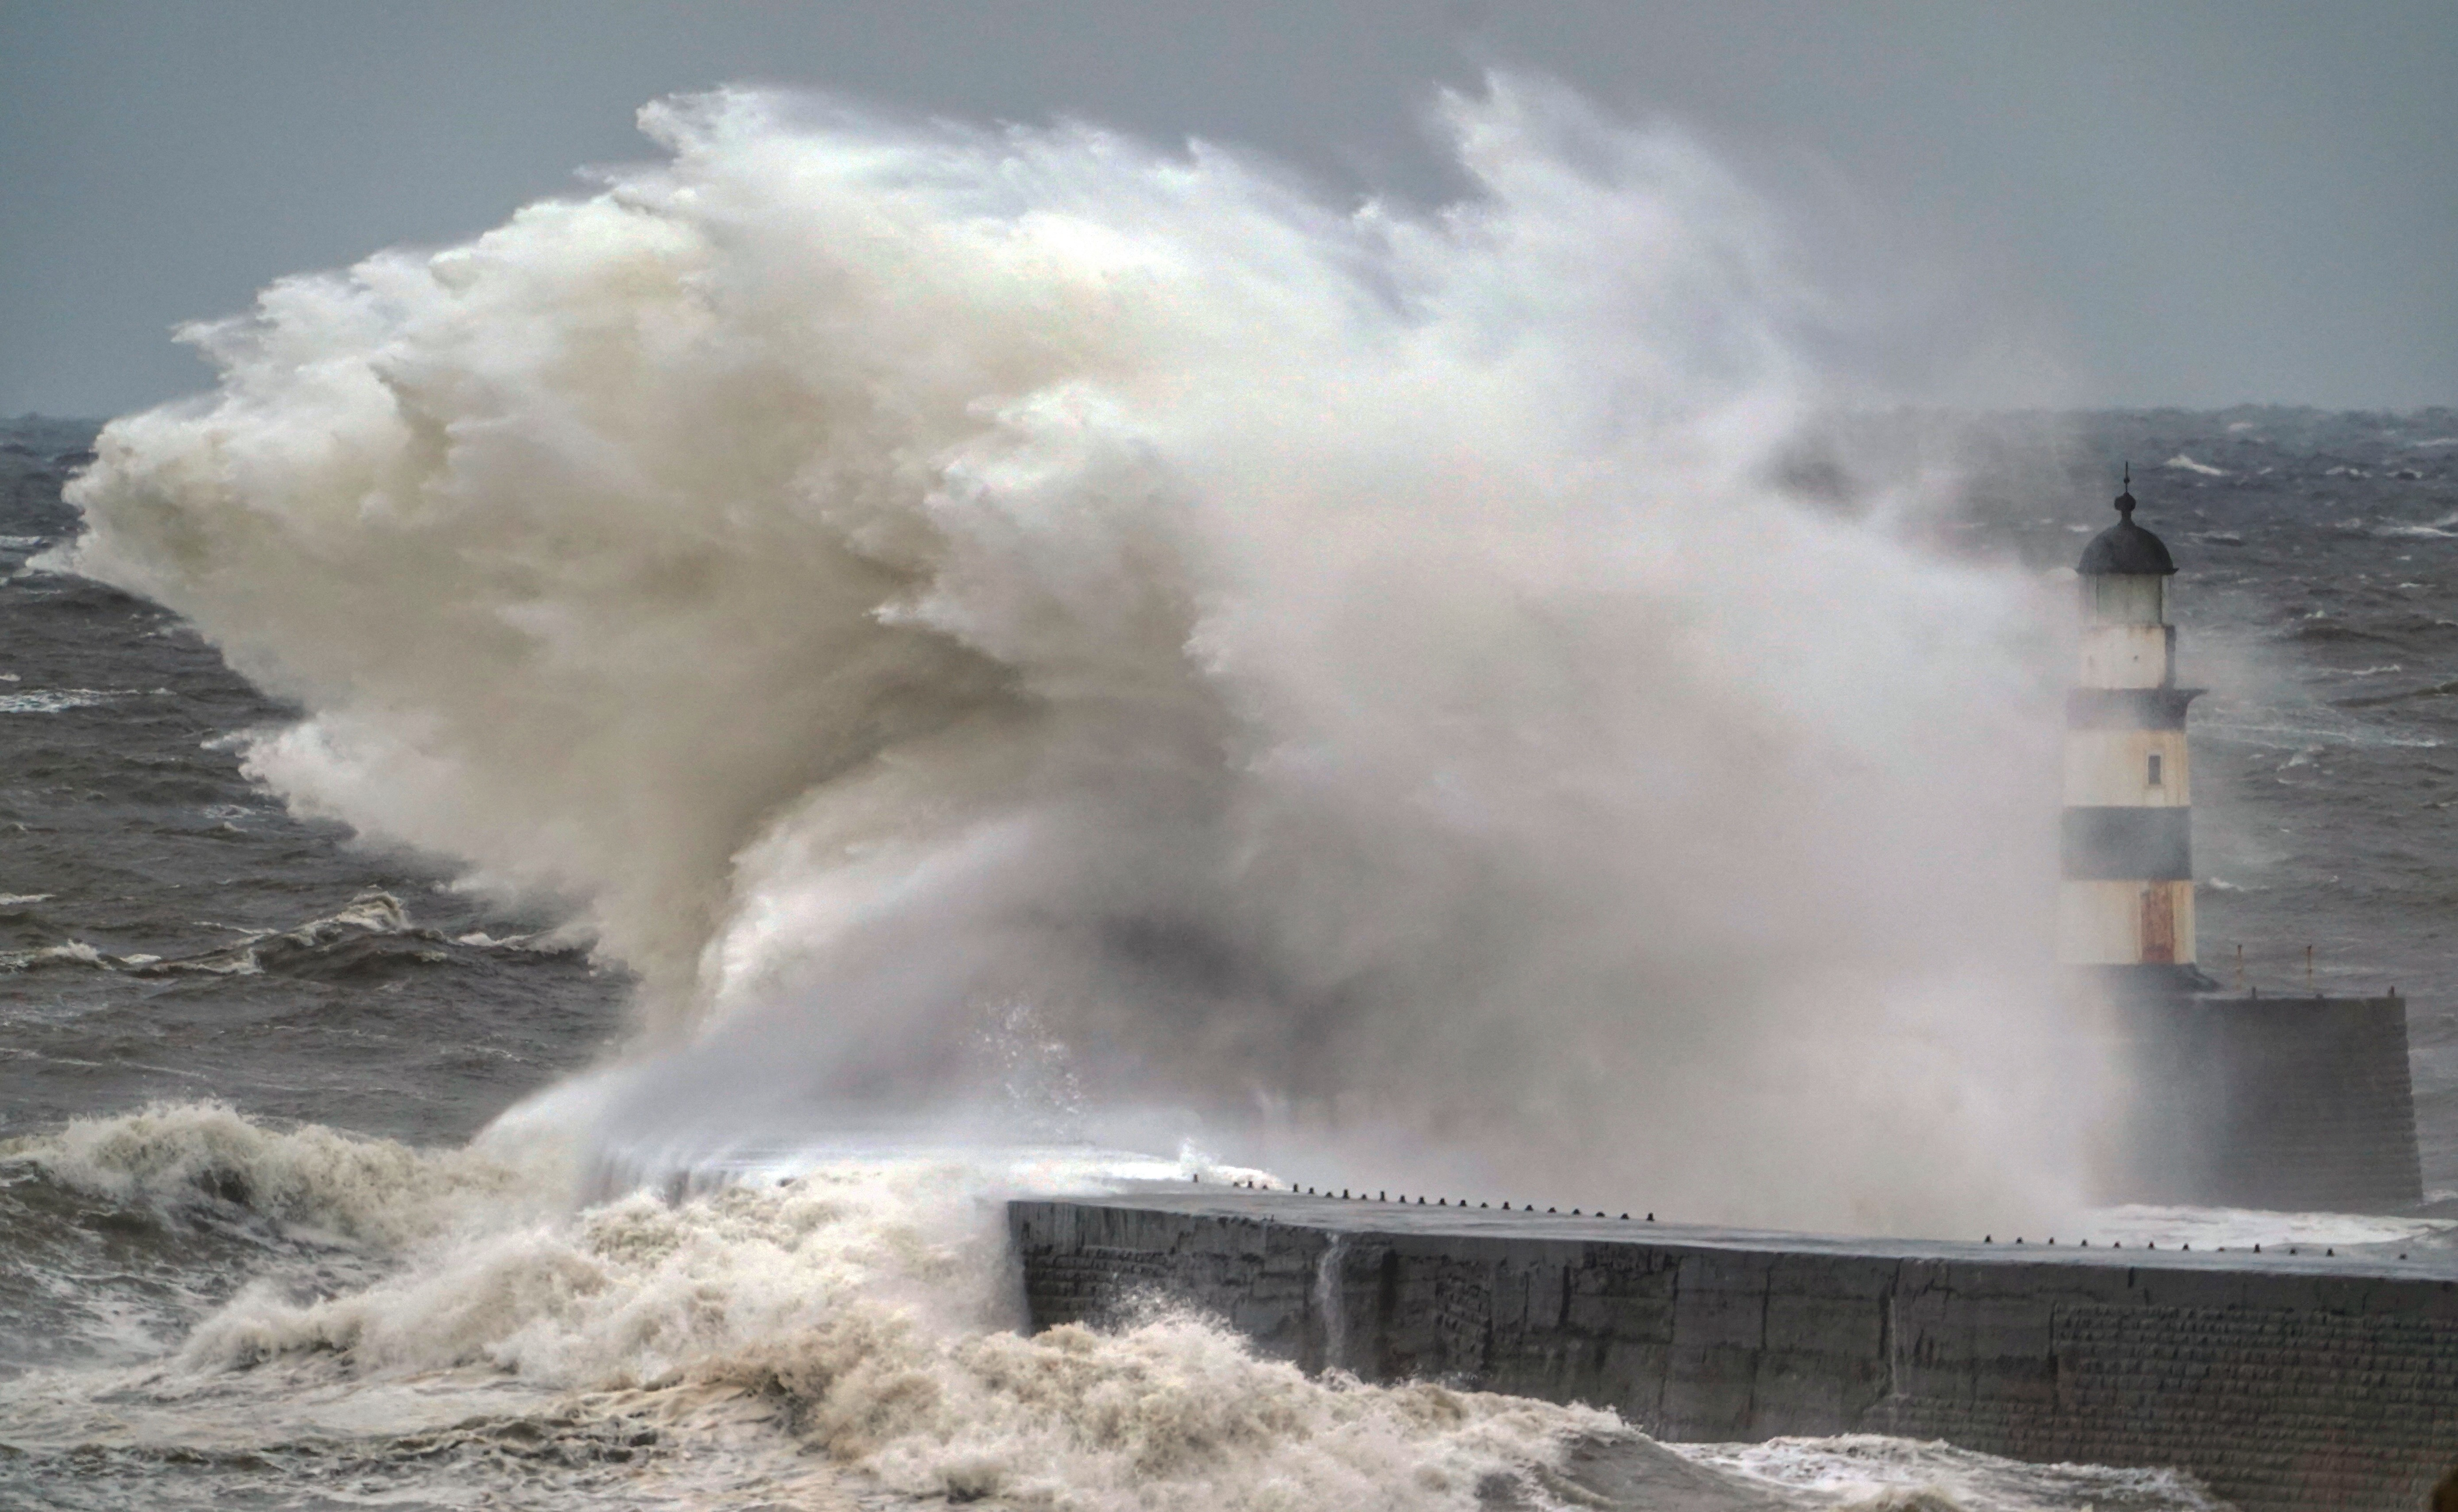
pixel 1024 633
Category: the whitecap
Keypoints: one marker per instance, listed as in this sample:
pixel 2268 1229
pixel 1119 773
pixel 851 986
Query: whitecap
pixel 73 953
pixel 374 912
pixel 480 939
pixel 2185 464
pixel 58 700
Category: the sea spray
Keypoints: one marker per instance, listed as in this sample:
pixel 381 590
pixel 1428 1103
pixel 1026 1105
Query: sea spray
pixel 1330 1305
pixel 1362 678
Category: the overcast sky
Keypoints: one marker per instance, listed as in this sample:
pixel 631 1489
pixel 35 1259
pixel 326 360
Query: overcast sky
pixel 2172 203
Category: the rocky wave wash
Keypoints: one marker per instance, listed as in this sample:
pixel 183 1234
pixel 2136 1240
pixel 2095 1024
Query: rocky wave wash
pixel 1021 626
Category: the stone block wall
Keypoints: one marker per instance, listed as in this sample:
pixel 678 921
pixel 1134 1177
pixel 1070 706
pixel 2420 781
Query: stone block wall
pixel 2282 1385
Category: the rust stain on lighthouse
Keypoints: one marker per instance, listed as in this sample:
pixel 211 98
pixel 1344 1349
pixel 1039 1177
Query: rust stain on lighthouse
pixel 2159 926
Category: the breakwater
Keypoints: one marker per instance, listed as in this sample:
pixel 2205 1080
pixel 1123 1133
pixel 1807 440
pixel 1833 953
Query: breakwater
pixel 2294 1103
pixel 2285 1382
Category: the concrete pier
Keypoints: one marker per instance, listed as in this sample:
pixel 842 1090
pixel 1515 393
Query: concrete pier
pixel 2284 1381
pixel 2299 1103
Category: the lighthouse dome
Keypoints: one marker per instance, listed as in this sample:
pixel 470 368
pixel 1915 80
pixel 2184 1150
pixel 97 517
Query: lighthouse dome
pixel 2125 547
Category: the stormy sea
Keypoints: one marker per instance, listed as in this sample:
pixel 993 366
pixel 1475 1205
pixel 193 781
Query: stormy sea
pixel 570 830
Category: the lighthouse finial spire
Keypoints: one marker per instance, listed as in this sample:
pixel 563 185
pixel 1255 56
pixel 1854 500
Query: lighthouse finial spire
pixel 2125 499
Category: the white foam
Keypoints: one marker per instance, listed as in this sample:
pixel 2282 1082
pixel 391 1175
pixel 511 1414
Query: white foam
pixel 2241 1228
pixel 58 700
pixel 1867 1473
pixel 2438 529
pixel 354 1188
pixel 2185 464
pixel 72 953
pixel 812 1315
pixel 870 1294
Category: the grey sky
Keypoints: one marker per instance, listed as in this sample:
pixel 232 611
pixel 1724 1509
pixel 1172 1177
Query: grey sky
pixel 2183 203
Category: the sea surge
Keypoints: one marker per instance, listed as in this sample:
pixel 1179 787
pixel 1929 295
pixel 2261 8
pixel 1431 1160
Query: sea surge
pixel 1366 689
pixel 1026 648
pixel 825 1330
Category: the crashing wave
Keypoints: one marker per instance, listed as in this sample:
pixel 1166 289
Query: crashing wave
pixel 862 1309
pixel 1360 677
pixel 313 1178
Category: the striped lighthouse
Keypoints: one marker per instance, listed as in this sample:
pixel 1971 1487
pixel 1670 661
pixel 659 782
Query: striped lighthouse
pixel 2125 910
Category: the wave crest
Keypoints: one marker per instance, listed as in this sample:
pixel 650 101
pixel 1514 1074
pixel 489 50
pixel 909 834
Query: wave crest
pixel 376 1192
pixel 865 1297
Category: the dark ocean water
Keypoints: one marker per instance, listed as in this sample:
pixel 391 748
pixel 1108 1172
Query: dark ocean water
pixel 169 932
pixel 167 929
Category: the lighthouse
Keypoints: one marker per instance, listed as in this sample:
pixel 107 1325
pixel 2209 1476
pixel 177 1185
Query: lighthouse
pixel 2125 909
pixel 2264 1100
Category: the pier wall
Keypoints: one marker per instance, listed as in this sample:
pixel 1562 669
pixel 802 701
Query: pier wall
pixel 2298 1103
pixel 2285 1383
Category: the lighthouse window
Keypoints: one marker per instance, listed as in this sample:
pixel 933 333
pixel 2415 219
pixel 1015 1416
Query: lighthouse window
pixel 2154 769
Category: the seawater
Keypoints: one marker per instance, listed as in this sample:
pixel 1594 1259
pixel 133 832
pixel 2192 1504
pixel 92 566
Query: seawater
pixel 866 670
